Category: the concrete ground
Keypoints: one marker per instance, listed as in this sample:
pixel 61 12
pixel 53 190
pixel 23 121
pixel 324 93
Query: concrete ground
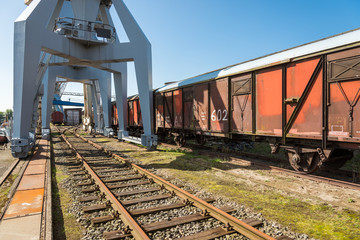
pixel 6 159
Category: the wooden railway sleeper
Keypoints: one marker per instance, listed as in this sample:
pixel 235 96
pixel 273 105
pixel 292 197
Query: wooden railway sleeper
pixel 137 232
pixel 241 227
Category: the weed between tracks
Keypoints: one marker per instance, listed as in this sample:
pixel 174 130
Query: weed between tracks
pixel 65 225
pixel 318 221
pixel 4 190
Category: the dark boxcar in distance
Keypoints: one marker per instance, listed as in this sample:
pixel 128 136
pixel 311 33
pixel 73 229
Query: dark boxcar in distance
pixel 73 116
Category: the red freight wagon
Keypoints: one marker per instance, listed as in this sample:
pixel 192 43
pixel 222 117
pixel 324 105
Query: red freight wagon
pixel 134 116
pixel 57 117
pixel 114 116
pixel 303 99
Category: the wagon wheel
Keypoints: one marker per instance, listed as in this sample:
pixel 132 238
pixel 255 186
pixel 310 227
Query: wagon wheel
pixel 338 158
pixel 305 163
pixel 200 139
pixel 180 140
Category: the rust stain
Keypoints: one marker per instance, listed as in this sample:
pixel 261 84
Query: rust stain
pixel 25 202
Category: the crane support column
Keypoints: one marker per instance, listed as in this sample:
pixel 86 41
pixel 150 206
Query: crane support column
pixel 95 105
pixel 47 102
pixel 120 83
pixel 143 67
pixel 105 93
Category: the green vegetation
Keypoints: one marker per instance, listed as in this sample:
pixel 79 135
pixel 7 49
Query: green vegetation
pixel 354 163
pixel 317 220
pixel 65 225
pixel 102 140
pixel 4 191
pixel 5 116
pixel 264 149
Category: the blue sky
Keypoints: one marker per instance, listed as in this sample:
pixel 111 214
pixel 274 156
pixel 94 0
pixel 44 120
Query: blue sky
pixel 192 37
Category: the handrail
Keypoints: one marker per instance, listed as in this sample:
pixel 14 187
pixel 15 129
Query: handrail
pixel 85 30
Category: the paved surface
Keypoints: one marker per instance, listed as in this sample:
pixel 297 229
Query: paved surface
pixel 6 159
pixel 22 219
pixel 26 229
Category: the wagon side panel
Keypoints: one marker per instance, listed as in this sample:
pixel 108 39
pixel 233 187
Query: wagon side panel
pixel 159 110
pixel 131 113
pixel 241 104
pixel 344 100
pixel 219 109
pixel 178 119
pixel 114 115
pixel 168 104
pixel 188 117
pixel 201 106
pixel 269 102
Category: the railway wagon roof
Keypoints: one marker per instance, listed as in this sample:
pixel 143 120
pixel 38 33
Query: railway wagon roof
pixel 340 40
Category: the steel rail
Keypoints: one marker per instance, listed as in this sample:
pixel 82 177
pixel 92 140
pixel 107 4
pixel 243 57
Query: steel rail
pixel 9 171
pixel 231 223
pixel 136 230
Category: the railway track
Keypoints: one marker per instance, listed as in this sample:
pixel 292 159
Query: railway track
pixel 205 151
pixel 9 171
pixel 134 194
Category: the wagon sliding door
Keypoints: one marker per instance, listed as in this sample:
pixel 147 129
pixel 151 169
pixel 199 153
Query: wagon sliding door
pixel 344 94
pixel 241 104
pixel 303 99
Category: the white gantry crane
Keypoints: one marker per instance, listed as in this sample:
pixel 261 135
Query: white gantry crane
pixel 80 45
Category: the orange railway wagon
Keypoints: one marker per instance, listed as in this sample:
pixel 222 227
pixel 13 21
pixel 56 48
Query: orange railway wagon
pixel 304 99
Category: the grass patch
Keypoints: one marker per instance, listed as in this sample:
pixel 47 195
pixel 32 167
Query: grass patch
pixel 65 225
pixel 264 149
pixel 318 221
pixel 4 191
pixel 354 163
pixel 55 134
pixel 102 140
